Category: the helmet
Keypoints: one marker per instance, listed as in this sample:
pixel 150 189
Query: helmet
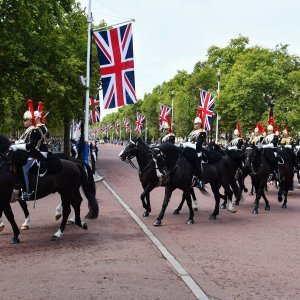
pixel 236 132
pixel 37 114
pixel 197 120
pixel 270 128
pixel 27 115
pixel 256 130
pixel 165 125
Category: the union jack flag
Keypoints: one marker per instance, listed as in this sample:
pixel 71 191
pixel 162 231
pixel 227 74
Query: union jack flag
pixel 126 124
pixel 206 107
pixel 139 122
pixel 95 109
pixel 115 54
pixel 164 112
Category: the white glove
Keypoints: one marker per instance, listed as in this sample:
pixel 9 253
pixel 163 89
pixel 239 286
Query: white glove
pixel 271 146
pixel 232 148
pixel 18 147
pixel 19 142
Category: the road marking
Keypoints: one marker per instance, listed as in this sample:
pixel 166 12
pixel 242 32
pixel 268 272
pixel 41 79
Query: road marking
pixel 184 275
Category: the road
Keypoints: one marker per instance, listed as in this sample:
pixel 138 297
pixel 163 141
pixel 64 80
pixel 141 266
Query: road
pixel 238 256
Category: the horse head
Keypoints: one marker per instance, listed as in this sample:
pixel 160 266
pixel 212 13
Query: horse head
pixel 252 157
pixel 129 152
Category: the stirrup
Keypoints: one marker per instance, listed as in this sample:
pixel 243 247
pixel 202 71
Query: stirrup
pixel 24 197
pixel 200 184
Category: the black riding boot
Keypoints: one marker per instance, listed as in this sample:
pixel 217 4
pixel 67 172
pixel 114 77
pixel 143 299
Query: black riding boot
pixel 200 183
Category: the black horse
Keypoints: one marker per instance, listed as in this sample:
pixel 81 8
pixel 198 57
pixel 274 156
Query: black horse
pixel 260 168
pixel 92 189
pixel 151 178
pixel 217 174
pixel 297 152
pixel 66 181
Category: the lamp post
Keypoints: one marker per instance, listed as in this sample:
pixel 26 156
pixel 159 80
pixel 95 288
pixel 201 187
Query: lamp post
pixel 217 121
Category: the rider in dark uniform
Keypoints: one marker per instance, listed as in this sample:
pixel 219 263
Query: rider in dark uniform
pixel 33 142
pixel 196 139
pixel 269 144
pixel 169 136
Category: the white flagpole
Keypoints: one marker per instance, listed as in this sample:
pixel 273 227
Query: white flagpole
pixel 172 121
pixel 217 121
pixel 87 82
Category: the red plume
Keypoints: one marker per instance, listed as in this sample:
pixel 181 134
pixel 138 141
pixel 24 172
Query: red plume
pixel 260 127
pixel 30 108
pixel 238 127
pixel 168 120
pixel 41 111
pixel 271 117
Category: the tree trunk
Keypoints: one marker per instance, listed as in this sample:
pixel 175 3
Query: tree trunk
pixel 67 136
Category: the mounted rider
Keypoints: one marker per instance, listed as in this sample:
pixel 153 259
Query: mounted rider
pixel 257 137
pixel 234 148
pixel 33 142
pixel 288 143
pixel 269 144
pixel 196 139
pixel 169 136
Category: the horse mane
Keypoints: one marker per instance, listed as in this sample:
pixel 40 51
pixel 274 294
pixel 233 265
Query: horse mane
pixel 4 143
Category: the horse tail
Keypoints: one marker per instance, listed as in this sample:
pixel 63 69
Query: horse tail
pixel 93 204
pixel 90 177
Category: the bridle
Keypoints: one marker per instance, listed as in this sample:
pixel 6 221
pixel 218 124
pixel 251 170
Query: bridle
pixel 252 167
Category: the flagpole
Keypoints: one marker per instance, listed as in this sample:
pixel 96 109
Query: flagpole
pixel 172 121
pixel 217 121
pixel 87 82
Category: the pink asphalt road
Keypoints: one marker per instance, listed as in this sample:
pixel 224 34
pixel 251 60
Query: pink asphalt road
pixel 237 256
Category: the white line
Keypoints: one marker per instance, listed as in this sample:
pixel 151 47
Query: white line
pixel 184 275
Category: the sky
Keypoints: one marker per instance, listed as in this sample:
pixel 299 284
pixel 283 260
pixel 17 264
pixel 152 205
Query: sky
pixel 173 35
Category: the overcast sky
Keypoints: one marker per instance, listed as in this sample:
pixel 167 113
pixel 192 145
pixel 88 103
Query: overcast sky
pixel 172 35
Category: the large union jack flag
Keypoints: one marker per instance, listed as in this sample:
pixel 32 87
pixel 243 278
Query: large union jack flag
pixel 206 107
pixel 139 122
pixel 164 116
pixel 95 109
pixel 115 54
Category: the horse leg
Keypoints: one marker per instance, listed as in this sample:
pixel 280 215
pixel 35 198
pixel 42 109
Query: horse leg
pixel 195 202
pixel 1 224
pixel 11 219
pixel 168 194
pixel 76 205
pixel 187 194
pixel 24 206
pixel 267 205
pixel 215 189
pixel 230 206
pixel 259 190
pixel 146 204
pixel 66 212
pixel 178 209
pixel 58 211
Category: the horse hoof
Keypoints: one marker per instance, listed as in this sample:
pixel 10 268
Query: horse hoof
pixel 157 223
pixel 283 206
pixel 84 226
pixel 223 206
pixel 279 199
pixel 190 221
pixel 232 210
pixel 267 207
pixel 55 238
pixel 195 208
pixel 212 217
pixel 70 222
pixel 245 190
pixel 1 227
pixel 57 217
pixel 237 202
pixel 176 212
pixel 25 227
pixel 146 214
pixel 14 241
pixel 254 211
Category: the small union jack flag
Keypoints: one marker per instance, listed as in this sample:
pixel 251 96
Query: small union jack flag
pixel 95 109
pixel 126 124
pixel 139 122
pixel 206 107
pixel 165 111
pixel 115 54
